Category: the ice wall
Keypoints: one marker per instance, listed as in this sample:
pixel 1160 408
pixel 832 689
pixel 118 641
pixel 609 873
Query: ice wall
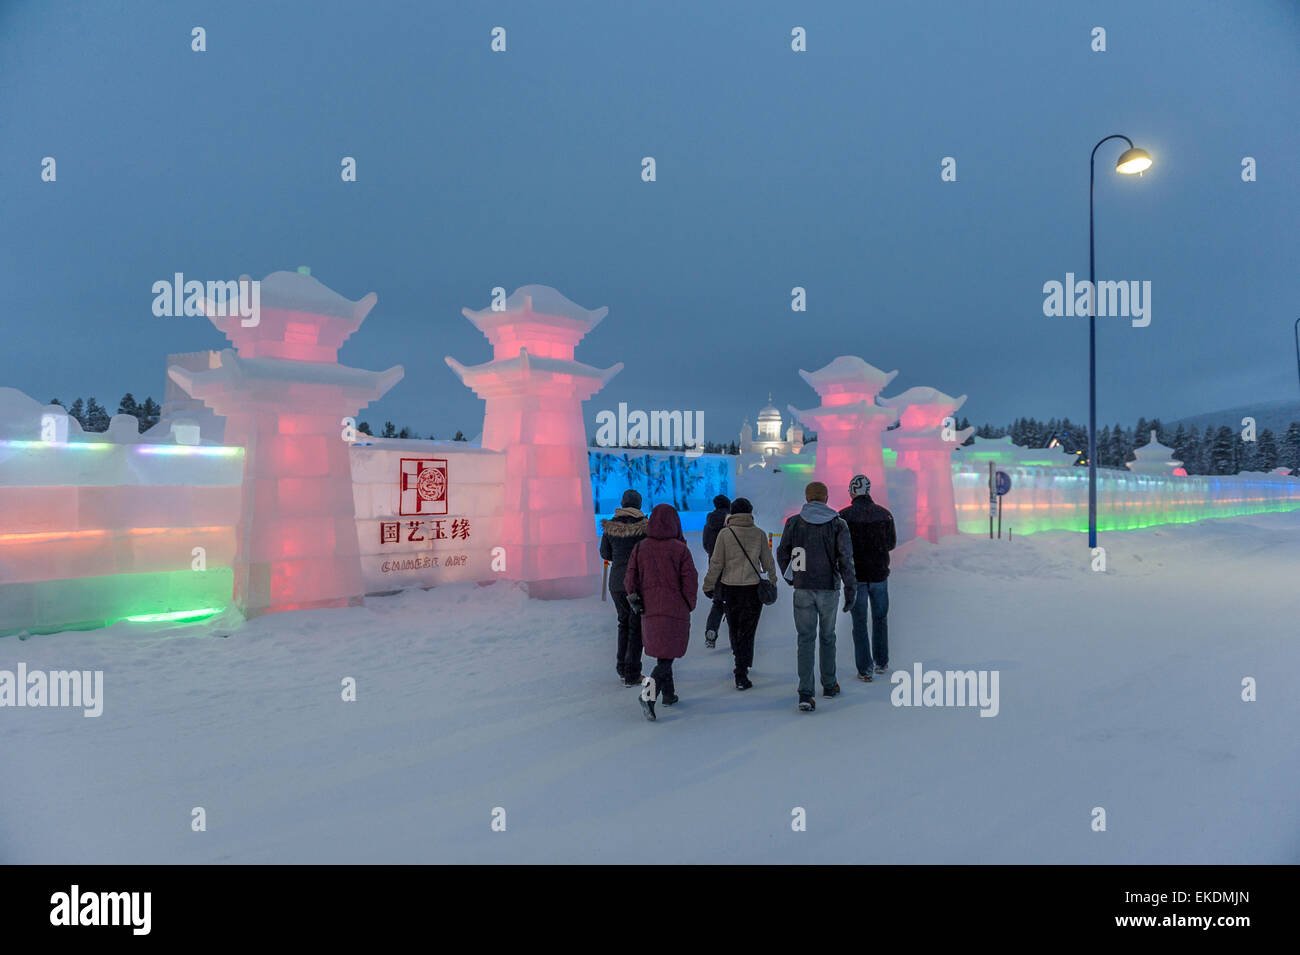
pixel 688 483
pixel 452 532
pixel 96 528
pixel 1056 498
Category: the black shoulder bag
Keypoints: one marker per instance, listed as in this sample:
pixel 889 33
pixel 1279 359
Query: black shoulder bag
pixel 766 588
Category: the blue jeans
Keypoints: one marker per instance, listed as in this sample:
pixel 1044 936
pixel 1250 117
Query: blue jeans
pixel 878 597
pixel 814 623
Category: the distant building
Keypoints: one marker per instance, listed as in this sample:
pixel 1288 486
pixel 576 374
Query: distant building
pixel 768 441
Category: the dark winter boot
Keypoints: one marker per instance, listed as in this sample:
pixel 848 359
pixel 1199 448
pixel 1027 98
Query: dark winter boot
pixel 830 691
pixel 632 679
pixel 742 680
pixel 710 638
pixel 647 698
pixel 807 703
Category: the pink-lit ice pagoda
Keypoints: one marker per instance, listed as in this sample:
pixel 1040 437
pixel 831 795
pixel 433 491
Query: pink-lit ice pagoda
pixel 924 448
pixel 534 389
pixel 285 397
pixel 848 423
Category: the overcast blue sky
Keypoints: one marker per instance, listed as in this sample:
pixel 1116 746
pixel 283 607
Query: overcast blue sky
pixel 775 169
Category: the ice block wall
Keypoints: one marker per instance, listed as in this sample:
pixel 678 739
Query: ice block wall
pixel 688 483
pixel 1056 498
pixel 427 512
pixel 96 528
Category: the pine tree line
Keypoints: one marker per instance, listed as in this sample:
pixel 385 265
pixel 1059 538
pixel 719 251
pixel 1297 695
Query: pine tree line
pixel 392 431
pixel 1219 450
pixel 94 417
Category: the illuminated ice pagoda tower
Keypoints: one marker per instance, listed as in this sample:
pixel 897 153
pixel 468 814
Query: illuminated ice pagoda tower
pixel 285 397
pixel 848 423
pixel 534 391
pixel 924 447
pixel 1154 458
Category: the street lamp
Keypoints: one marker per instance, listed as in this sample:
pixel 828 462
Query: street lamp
pixel 1132 161
pixel 1297 347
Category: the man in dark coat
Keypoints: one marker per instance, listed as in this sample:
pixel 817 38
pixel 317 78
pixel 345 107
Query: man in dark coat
pixel 716 520
pixel 871 528
pixel 662 573
pixel 620 534
pixel 815 555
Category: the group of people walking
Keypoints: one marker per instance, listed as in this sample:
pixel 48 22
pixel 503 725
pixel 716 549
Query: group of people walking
pixel 653 583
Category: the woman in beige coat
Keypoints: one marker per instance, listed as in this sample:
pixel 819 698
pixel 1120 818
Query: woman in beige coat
pixel 739 553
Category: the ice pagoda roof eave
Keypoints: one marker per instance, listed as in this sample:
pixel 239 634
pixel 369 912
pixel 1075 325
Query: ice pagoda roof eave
pixel 534 302
pixel 524 364
pixel 848 369
pixel 865 409
pixel 299 292
pixel 921 395
pixel 234 369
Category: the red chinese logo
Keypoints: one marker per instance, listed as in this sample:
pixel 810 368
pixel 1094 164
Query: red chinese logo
pixel 423 486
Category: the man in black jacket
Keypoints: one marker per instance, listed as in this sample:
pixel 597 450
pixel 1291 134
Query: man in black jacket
pixel 621 533
pixel 815 555
pixel 716 520
pixel 871 528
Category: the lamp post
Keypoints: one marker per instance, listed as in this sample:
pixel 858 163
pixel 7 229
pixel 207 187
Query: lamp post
pixel 1297 347
pixel 1133 160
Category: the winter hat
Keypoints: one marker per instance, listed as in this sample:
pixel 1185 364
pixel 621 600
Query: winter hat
pixel 860 485
pixel 721 502
pixel 741 506
pixel 631 498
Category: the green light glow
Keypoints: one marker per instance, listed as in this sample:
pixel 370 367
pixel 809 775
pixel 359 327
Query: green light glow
pixel 200 614
pixel 87 603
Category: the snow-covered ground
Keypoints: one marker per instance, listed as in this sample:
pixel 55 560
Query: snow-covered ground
pixel 1120 690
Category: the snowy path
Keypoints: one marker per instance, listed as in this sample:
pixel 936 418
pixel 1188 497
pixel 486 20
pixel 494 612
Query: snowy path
pixel 471 698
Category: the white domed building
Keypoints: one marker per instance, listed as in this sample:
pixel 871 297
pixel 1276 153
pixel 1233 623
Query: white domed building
pixel 768 440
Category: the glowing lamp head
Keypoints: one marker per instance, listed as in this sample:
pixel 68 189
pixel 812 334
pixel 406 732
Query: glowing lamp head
pixel 1133 161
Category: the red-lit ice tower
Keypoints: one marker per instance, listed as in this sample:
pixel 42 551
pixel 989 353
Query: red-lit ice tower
pixel 848 424
pixel 925 446
pixel 534 392
pixel 285 397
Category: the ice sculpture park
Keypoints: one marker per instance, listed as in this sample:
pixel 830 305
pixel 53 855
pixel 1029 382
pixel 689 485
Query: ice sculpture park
pixel 254 492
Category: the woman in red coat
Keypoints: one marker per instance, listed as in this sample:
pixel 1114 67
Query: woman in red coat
pixel 660 570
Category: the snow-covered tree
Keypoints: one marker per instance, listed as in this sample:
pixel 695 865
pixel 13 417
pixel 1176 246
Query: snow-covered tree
pixel 1290 450
pixel 1222 454
pixel 150 412
pixel 1266 451
pixel 96 416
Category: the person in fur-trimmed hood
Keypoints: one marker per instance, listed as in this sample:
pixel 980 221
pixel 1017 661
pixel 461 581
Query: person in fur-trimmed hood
pixel 620 534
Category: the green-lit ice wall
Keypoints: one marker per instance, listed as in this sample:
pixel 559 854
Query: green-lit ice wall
pixel 1056 498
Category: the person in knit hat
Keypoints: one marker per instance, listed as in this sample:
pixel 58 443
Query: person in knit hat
pixel 620 534
pixel 871 529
